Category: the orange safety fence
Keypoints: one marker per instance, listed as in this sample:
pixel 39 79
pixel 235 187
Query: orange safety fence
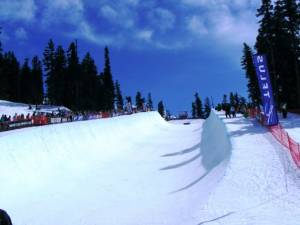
pixel 281 135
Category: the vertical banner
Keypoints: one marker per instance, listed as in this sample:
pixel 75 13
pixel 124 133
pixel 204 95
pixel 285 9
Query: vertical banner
pixel 262 73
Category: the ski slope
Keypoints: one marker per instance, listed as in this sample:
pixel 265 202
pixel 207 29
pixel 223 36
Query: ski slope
pixel 292 125
pixel 141 170
pixel 261 185
pixel 131 170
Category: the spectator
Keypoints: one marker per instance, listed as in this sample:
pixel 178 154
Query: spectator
pixel 227 111
pixel 232 111
pixel 4 218
pixel 284 110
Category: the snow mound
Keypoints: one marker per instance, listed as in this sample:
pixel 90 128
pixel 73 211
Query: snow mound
pixel 215 146
pixel 102 172
pixel 256 188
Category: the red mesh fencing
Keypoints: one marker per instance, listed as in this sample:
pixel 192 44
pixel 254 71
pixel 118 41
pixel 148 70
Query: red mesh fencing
pixel 281 135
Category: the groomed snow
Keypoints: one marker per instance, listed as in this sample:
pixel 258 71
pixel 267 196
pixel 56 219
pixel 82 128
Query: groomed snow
pixel 259 186
pixel 141 170
pixel 127 170
pixel 292 125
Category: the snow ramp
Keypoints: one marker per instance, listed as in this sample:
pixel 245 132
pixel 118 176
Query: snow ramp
pixel 129 170
pixel 259 187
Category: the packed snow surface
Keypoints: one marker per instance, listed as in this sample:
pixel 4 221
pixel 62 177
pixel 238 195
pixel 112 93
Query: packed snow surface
pixel 141 170
pixel 261 184
pixel 127 170
pixel 292 125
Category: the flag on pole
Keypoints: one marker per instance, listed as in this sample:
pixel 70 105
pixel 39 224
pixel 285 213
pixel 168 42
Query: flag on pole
pixel 262 73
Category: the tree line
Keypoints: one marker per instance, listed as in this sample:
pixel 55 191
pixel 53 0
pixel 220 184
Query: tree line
pixel 278 38
pixel 78 85
pixel 198 110
pixel 67 81
pixel 233 99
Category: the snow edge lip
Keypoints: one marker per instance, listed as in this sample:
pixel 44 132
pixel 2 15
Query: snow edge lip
pixel 215 143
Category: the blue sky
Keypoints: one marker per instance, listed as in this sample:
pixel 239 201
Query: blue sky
pixel 171 48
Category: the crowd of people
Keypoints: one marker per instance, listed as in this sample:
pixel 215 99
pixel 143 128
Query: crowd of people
pixel 230 111
pixel 39 117
pixel 15 118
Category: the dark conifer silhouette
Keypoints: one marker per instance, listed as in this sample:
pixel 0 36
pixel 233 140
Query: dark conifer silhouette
pixel 198 107
pixel 149 102
pixel 109 89
pixel 119 97
pixel 36 84
pixel 247 65
pixel 49 67
pixel 139 101
pixel 161 108
pixel 207 107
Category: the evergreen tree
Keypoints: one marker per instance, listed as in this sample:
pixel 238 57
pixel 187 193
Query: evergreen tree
pixel 37 89
pixel 139 101
pixel 266 26
pixel 119 98
pixel 287 51
pixel 237 100
pixel 161 109
pixel 224 102
pixel 59 76
pixel 207 107
pixel 4 83
pixel 292 12
pixel 198 106
pixel 232 99
pixel 108 83
pixel 1 44
pixel 278 38
pixel 2 80
pixel 25 83
pixel 247 65
pixel 49 67
pixel 149 102
pixel 193 110
pixel 73 79
pixel 89 84
pixel 9 77
pixel 128 99
pixel 265 38
pixel 100 101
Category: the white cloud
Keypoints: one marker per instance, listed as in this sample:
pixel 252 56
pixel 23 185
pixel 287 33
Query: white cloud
pixel 197 25
pixel 145 23
pixel 21 34
pixel 231 22
pixel 66 4
pixel 145 35
pixel 108 12
pixel 198 2
pixel 63 11
pixel 86 32
pixel 162 18
pixel 119 15
pixel 17 10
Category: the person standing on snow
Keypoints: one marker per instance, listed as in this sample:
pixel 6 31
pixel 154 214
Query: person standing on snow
pixel 4 218
pixel 232 111
pixel 227 111
pixel 284 110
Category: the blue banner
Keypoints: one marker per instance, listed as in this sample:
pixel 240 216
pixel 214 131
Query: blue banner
pixel 262 73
